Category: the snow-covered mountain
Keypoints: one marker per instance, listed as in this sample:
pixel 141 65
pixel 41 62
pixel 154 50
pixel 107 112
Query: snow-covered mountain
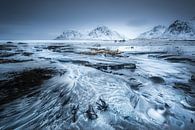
pixel 99 33
pixel 156 32
pixel 178 30
pixel 104 33
pixel 70 35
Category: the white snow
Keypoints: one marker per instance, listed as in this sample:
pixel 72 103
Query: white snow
pixel 99 33
pixel 178 30
pixel 70 35
pixel 127 108
pixel 155 33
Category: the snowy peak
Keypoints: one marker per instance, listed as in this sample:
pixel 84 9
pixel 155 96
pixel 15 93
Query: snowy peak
pixel 70 35
pixel 100 30
pixel 104 33
pixel 99 33
pixel 154 33
pixel 178 30
pixel 178 27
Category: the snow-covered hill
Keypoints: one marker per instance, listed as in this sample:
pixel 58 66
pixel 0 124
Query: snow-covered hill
pixel 99 33
pixel 70 35
pixel 104 33
pixel 156 32
pixel 178 30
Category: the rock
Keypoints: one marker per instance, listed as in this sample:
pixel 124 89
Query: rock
pixel 190 100
pixel 176 59
pixel 95 51
pixel 27 53
pixel 193 77
pixel 60 48
pixel 129 66
pixel 135 84
pixel 102 105
pixel 157 80
pixel 116 66
pixel 166 105
pixel 66 100
pixel 97 45
pixel 74 112
pixel 188 103
pixel 9 42
pixel 6 61
pixel 21 43
pixel 7 54
pixel 120 40
pixel 182 86
pixel 7 47
pixel 90 113
pixel 23 83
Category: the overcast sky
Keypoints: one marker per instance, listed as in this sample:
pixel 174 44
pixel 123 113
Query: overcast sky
pixel 45 19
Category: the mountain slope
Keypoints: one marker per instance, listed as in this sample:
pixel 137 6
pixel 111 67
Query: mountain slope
pixel 104 33
pixel 178 30
pixel 99 33
pixel 70 35
pixel 156 32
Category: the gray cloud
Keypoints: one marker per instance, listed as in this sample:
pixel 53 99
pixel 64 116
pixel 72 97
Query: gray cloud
pixel 138 22
pixel 44 17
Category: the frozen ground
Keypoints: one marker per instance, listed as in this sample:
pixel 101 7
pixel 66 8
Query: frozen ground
pixel 97 85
